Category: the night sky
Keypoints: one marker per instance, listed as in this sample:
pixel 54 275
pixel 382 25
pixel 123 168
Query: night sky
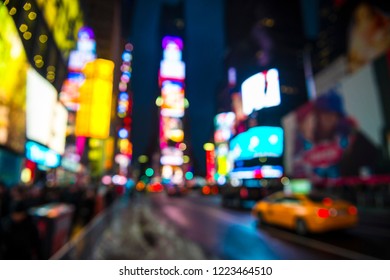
pixel 203 54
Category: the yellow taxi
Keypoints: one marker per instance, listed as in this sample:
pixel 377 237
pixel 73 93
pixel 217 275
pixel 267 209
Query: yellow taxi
pixel 305 212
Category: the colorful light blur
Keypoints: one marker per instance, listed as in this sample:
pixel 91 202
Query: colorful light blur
pixel 13 63
pixel 94 115
pixel 260 91
pixel 172 106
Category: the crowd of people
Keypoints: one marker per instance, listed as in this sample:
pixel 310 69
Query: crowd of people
pixel 19 234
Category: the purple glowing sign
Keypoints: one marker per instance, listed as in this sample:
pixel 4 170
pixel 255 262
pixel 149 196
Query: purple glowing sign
pixel 167 40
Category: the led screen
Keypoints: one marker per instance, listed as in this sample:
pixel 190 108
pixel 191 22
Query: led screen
pixel 42 155
pixel 13 63
pixel 260 91
pixel 224 126
pixel 261 141
pixel 41 103
pixel 172 94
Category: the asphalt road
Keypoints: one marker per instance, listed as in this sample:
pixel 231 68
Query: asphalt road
pixel 232 234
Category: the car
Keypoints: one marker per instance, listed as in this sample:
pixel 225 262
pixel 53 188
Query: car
pixel 305 213
pixel 175 190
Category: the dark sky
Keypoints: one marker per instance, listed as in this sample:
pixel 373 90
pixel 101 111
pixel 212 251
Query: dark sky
pixel 203 54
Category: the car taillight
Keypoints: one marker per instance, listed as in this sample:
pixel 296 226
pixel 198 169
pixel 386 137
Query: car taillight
pixel 206 190
pixel 327 201
pixel 244 193
pixel 352 210
pixel 323 213
pixel 214 190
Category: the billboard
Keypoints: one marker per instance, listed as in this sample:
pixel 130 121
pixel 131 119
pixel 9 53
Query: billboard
pixel 172 94
pixel 64 18
pixel 224 127
pixel 42 155
pixel 13 63
pixel 260 141
pixel 94 115
pixel 339 133
pixel 41 101
pixel 260 91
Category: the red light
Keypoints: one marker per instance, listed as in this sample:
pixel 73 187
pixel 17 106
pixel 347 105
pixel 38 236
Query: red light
pixel 244 193
pixel 327 201
pixel 206 190
pixel 214 190
pixel 323 213
pixel 352 210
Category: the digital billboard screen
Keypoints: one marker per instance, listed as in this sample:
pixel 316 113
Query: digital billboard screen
pixel 260 141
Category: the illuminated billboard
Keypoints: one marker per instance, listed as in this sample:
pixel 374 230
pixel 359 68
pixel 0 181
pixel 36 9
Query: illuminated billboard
pixel 224 127
pixel 257 172
pixel 171 156
pixel 64 18
pixel 338 134
pixel 261 90
pixel 94 115
pixel 172 67
pixel 13 63
pixel 41 101
pixel 261 141
pixel 42 155
pixel 172 94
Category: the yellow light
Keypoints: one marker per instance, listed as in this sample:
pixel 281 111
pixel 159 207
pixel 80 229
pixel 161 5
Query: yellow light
pixel 37 57
pixel 27 35
pixel 51 68
pixel 26 175
pixel 27 6
pixel 39 63
pixel 32 15
pixel 176 135
pixel 208 146
pixel 93 117
pixel 285 181
pixel 50 77
pixel 159 101
pixel 6 2
pixel 143 159
pixel 12 11
pixel 263 159
pixel 23 28
pixel 43 38
pixel 186 159
pixel 182 146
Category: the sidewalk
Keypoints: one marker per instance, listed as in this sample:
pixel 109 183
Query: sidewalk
pixel 130 231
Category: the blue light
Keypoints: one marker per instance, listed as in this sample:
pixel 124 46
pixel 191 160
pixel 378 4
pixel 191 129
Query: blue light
pixel 42 155
pixel 123 133
pixel 261 141
pixel 123 96
pixel 126 57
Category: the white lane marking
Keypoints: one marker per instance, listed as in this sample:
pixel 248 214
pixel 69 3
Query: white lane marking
pixel 321 246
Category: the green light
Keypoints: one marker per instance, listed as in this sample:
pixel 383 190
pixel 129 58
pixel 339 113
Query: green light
pixel 186 103
pixel 149 172
pixel 189 175
pixel 143 159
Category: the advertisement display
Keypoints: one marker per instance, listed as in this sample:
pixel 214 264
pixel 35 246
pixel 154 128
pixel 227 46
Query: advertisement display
pixel 64 18
pixel 172 94
pixel 261 90
pixel 13 63
pixel 339 133
pixel 41 103
pixel 224 127
pixel 42 155
pixel 171 129
pixel 46 117
pixel 171 156
pixel 261 141
pixel 359 35
pixel 94 115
